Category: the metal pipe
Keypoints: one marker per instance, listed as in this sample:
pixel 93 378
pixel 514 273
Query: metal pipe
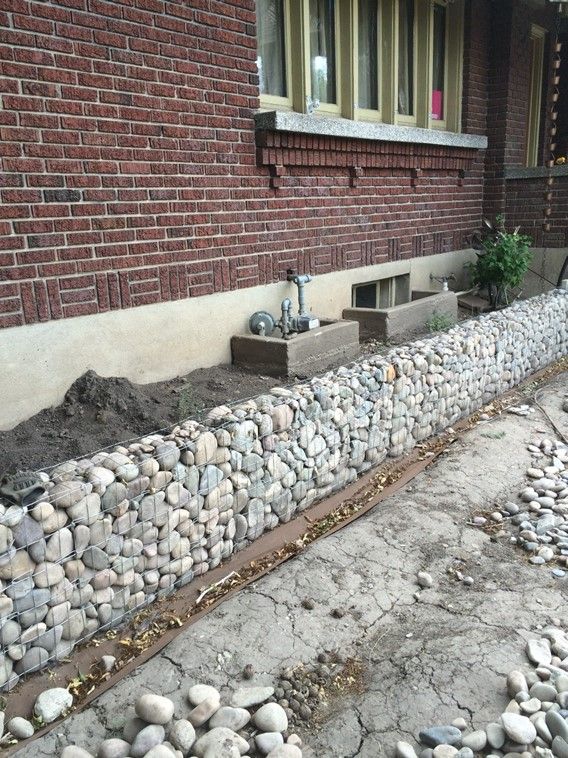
pixel 300 280
pixel 286 307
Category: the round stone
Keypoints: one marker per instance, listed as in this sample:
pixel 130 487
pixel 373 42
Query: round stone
pixel 476 740
pixel 404 750
pixel 267 741
pixel 203 712
pixel 114 748
pixel 217 738
pixel 440 735
pixel 285 751
pixel 445 751
pixel 200 692
pixel 182 735
pixel 271 718
pixel 232 718
pixel 74 751
pixel 245 697
pixel 51 703
pixel 154 709
pixel 20 728
pixel 518 728
pixel 424 579
pixel 146 739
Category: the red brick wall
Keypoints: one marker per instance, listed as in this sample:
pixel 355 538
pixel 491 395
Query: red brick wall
pixel 524 208
pixel 130 172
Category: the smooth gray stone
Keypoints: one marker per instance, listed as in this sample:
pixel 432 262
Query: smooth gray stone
pixel 51 703
pixel 146 739
pixel 557 725
pixel 440 735
pixel 560 747
pixel 114 748
pixel 20 728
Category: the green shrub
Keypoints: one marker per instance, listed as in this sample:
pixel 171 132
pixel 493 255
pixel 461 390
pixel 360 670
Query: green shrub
pixel 502 263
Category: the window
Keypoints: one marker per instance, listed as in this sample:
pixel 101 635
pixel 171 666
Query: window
pixel 378 60
pixel 272 44
pixel 536 52
pixel 439 28
pixel 406 57
pixel 322 51
pixel 368 55
pixel 384 293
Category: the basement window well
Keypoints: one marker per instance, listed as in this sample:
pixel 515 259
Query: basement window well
pixel 383 293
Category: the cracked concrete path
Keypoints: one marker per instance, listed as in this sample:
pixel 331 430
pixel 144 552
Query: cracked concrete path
pixel 426 661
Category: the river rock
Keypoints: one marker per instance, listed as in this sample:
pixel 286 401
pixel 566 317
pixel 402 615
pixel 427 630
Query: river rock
pixel 404 750
pixel 182 735
pixel 146 739
pixel 217 737
pixel 50 704
pixel 21 728
pixel 538 651
pixel 245 697
pixel 285 751
pixel 518 728
pixel 231 718
pixel 267 741
pixel 154 709
pixel 114 748
pixel 440 735
pixel 271 718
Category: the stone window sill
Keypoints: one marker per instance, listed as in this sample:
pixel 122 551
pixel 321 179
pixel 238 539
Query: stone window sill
pixel 287 142
pixel 284 121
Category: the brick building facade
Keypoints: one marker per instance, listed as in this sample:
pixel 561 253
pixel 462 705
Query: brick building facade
pixel 135 174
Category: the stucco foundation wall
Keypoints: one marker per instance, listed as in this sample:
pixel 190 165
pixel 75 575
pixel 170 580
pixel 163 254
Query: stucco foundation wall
pixel 115 531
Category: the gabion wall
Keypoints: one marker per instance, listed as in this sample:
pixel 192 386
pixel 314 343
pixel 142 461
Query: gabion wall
pixel 117 530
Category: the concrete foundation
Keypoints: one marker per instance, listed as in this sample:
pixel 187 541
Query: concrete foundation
pixel 307 353
pixel 404 320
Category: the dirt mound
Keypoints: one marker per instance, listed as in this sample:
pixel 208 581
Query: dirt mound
pixel 101 411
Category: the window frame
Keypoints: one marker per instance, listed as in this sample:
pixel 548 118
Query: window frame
pixel 440 123
pixel 298 76
pixel 534 112
pixel 366 114
pixel 397 288
pixel 276 101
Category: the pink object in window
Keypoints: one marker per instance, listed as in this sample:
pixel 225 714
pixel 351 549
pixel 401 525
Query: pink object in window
pixel 437 104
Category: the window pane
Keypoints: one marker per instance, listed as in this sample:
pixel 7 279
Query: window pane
pixel 385 293
pixel 406 57
pixel 368 55
pixel 366 295
pixel 439 62
pixel 271 58
pixel 322 50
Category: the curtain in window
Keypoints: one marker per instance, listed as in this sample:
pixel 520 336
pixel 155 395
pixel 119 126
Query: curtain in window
pixel 406 57
pixel 271 55
pixel 322 50
pixel 368 55
pixel 439 62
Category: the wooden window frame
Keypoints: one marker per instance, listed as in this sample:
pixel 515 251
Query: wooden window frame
pixel 538 39
pixel 298 78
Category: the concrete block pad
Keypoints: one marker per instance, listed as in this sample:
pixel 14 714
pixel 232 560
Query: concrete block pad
pixel 403 321
pixel 332 343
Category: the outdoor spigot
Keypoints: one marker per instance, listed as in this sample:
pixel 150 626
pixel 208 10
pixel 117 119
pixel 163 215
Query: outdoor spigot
pixel 443 280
